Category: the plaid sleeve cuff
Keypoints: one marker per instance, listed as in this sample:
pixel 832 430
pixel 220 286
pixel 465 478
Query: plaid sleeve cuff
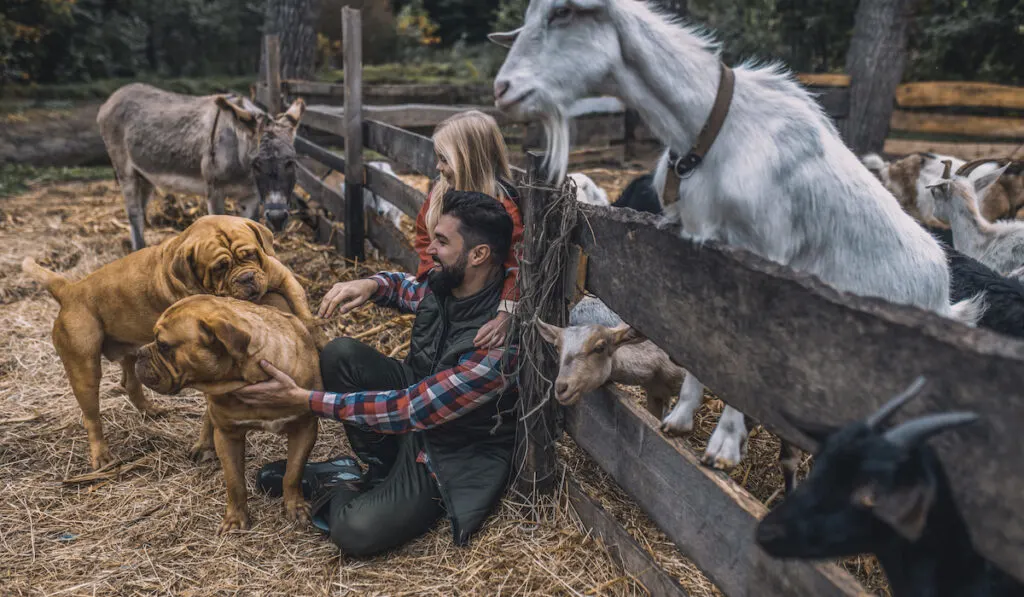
pixel 323 404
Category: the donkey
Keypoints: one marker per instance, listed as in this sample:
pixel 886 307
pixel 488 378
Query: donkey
pixel 212 145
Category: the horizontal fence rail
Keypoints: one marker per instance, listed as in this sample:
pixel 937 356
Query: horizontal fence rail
pixel 708 517
pixel 764 337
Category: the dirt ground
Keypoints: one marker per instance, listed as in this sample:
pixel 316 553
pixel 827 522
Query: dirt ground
pixel 149 526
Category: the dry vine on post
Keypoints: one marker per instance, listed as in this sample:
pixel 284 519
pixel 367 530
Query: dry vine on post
pixel 549 217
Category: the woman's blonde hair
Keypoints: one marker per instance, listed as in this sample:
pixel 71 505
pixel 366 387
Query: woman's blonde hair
pixel 472 145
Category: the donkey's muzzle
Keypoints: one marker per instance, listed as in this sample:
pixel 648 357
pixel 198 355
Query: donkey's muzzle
pixel 276 216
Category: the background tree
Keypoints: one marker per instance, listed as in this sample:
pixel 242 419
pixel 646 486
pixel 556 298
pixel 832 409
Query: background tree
pixel 875 63
pixel 294 22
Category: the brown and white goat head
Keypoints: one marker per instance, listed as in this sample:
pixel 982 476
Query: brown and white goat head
pixel 585 356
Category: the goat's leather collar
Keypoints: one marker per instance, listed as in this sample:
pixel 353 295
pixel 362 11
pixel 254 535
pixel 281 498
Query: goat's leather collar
pixel 679 166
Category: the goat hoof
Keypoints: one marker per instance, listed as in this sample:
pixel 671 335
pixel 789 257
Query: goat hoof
pixel 673 430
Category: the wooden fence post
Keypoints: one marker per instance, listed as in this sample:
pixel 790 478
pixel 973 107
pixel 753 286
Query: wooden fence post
pixel 352 39
pixel 539 423
pixel 273 53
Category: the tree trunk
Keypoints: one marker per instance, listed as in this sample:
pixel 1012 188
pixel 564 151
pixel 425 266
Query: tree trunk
pixel 294 21
pixel 875 62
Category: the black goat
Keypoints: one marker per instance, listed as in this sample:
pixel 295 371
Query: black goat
pixel 1004 296
pixel 640 195
pixel 885 492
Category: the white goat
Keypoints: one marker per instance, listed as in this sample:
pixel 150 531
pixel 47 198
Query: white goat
pixel 999 245
pixel 378 205
pixel 587 190
pixel 598 348
pixel 778 180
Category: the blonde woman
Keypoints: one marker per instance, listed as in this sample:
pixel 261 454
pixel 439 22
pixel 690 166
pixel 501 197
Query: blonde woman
pixel 471 156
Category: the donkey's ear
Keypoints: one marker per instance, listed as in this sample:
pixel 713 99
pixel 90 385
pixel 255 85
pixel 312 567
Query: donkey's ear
pixel 504 38
pixel 236 107
pixel 294 113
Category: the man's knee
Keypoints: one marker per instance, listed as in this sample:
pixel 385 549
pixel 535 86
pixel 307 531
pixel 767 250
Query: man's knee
pixel 355 537
pixel 340 350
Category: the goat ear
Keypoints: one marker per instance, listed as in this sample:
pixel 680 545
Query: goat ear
pixel 983 183
pixel 626 334
pixel 819 432
pixel 504 38
pixel 551 333
pixel 904 509
pixel 243 115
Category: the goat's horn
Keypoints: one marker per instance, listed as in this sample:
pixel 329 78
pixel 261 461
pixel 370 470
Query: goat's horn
pixel 912 433
pixel 949 166
pixel 893 405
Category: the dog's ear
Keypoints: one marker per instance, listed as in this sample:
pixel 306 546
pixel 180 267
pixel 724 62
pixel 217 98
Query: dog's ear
pixel 220 331
pixel 183 265
pixel 264 237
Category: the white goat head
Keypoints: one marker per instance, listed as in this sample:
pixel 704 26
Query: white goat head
pixel 565 50
pixel 587 190
pixel 952 191
pixel 585 356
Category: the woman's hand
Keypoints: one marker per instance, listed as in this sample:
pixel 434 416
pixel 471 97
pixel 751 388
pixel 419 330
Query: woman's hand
pixel 280 391
pixel 492 334
pixel 348 295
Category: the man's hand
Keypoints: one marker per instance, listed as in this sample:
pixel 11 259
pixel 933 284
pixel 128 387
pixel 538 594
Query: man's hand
pixel 348 295
pixel 492 334
pixel 280 391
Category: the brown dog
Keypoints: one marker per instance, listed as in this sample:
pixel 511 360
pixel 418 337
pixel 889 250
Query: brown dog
pixel 112 311
pixel 215 344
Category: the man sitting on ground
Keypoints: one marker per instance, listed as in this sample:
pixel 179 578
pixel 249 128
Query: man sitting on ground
pixel 436 430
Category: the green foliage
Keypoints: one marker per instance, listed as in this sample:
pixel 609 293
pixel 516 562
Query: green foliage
pixel 18 178
pixel 101 89
pixel 84 40
pixel 968 40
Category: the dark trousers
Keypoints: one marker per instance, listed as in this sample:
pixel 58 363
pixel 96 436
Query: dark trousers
pixel 400 501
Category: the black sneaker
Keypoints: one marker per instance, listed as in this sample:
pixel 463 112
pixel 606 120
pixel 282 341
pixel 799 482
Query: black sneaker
pixel 270 477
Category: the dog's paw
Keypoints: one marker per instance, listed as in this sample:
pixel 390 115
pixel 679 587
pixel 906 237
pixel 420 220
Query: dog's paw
pixel 676 426
pixel 149 409
pixel 100 457
pixel 234 521
pixel 297 511
pixel 200 453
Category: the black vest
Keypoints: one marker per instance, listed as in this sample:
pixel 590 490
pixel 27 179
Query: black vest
pixel 470 455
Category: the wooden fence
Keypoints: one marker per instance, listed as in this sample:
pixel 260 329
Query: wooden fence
pixel 760 335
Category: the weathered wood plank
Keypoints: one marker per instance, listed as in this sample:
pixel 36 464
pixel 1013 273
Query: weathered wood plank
pixel 622 546
pixel 709 518
pixel 957 124
pixel 440 93
pixel 966 151
pixel 391 242
pixel 352 38
pixel 403 196
pixel 323 119
pixel 763 337
pixel 320 192
pixel 414 115
pixel 273 56
pixel 409 149
pixel 824 79
pixel 933 94
pixel 321 154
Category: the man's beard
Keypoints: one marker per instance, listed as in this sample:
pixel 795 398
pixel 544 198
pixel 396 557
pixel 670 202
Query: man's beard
pixel 446 278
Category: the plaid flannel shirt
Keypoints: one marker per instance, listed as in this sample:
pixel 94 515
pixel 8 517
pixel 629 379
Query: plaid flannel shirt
pixel 444 396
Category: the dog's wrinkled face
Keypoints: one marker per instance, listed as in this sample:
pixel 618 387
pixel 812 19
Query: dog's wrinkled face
pixel 226 256
pixel 196 341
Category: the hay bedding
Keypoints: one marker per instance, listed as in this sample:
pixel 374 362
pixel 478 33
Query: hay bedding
pixel 149 526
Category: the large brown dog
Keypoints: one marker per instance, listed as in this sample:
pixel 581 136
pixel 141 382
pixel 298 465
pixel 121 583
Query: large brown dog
pixel 112 311
pixel 214 345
